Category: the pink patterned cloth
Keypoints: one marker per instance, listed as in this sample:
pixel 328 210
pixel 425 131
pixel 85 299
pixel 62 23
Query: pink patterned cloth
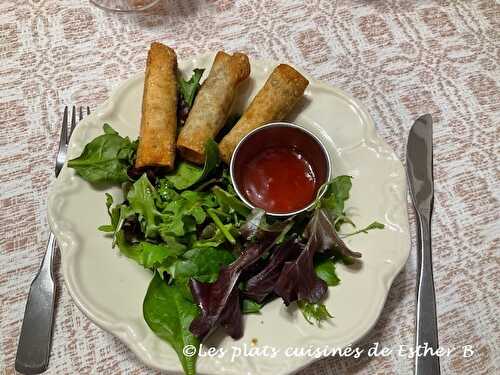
pixel 400 58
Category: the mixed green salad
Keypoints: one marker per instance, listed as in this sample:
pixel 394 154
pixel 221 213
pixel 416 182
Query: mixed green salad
pixel 211 258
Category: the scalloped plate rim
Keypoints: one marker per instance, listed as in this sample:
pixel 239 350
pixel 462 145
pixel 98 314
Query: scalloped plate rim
pixel 120 330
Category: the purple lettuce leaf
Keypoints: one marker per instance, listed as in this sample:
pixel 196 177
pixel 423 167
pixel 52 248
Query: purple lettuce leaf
pixel 321 226
pixel 298 279
pixel 231 318
pixel 214 298
pixel 289 271
pixel 261 284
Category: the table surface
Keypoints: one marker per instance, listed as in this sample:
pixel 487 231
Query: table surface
pixel 401 58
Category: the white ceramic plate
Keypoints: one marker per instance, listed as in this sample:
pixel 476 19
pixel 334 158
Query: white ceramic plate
pixel 109 288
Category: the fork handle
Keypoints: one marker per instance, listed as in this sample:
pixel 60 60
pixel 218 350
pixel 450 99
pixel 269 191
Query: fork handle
pixel 33 349
pixel 426 332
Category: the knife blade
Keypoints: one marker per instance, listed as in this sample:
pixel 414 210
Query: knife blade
pixel 419 164
pixel 419 167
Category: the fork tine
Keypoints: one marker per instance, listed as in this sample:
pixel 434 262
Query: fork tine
pixel 73 121
pixel 64 131
pixel 61 153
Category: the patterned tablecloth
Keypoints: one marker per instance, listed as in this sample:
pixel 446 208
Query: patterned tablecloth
pixel 401 58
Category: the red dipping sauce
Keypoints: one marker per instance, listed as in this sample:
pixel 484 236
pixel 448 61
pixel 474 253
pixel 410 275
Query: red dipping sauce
pixel 279 167
pixel 279 180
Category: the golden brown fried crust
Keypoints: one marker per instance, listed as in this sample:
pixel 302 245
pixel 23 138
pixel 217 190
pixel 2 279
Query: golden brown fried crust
pixel 212 104
pixel 159 109
pixel 275 100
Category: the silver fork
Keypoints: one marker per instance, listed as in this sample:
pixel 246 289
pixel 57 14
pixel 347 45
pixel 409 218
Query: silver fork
pixel 33 349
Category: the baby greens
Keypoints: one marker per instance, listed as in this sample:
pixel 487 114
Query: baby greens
pixel 211 257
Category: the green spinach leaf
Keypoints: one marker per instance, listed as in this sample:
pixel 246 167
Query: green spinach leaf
pixel 187 174
pixel 169 314
pixel 106 159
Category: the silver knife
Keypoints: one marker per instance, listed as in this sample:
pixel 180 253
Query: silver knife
pixel 420 178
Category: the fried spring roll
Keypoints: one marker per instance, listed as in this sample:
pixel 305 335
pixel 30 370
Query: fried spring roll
pixel 212 104
pixel 282 90
pixel 159 109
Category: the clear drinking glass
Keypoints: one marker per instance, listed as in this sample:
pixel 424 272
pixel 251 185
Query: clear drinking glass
pixel 125 5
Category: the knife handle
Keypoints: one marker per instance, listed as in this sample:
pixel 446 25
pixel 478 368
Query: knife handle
pixel 426 333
